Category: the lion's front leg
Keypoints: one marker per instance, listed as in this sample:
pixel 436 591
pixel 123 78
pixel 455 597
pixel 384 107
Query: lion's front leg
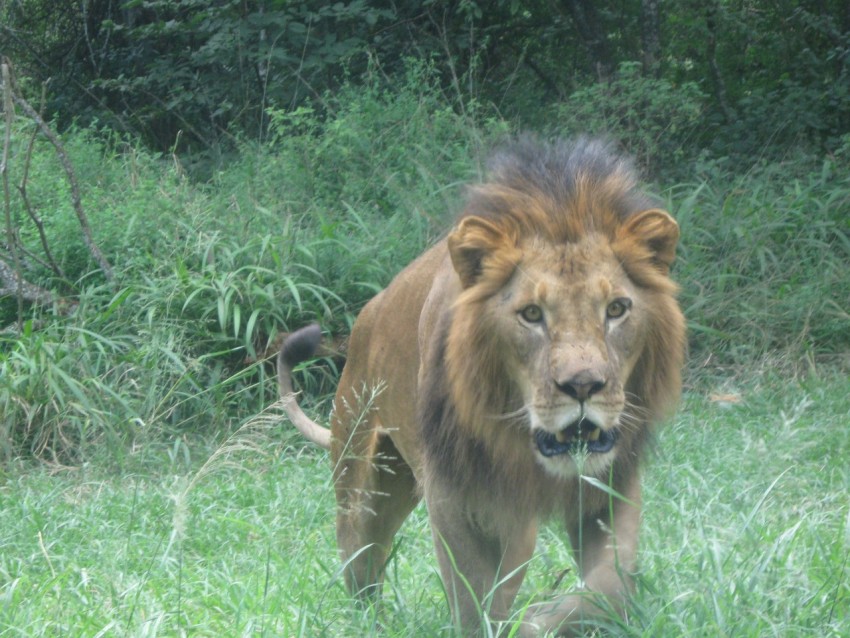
pixel 482 568
pixel 574 614
pixel 606 550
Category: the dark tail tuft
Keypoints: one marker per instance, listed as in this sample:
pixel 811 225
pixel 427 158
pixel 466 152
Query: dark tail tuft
pixel 301 345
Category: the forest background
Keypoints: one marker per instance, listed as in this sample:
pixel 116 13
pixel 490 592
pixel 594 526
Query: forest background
pixel 183 180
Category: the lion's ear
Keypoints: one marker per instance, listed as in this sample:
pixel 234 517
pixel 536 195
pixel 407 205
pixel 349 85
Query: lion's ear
pixel 473 242
pixel 656 231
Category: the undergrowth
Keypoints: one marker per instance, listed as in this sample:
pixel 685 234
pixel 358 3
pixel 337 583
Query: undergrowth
pixel 305 227
pixel 311 224
pixel 763 263
pixel 745 532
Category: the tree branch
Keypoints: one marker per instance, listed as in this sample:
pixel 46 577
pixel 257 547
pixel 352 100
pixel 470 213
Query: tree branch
pixel 76 201
pixel 22 189
pixel 711 10
pixel 15 273
pixel 650 22
pixel 590 29
pixel 11 283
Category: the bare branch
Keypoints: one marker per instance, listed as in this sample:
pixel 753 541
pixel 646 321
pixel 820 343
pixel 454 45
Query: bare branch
pixel 9 110
pixel 72 179
pixel 711 54
pixel 22 189
pixel 11 283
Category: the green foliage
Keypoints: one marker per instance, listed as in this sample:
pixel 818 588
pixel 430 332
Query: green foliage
pixel 190 72
pixel 195 74
pixel 132 201
pixel 745 532
pixel 306 227
pixel 371 181
pixel 764 261
pixel 777 73
pixel 103 382
pixel 654 119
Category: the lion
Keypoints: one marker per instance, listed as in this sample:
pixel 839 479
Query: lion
pixel 511 374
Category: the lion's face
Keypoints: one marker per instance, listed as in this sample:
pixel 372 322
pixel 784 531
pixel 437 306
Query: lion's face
pixel 566 341
pixel 570 323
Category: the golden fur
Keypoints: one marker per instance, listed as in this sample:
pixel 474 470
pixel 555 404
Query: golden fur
pixel 538 343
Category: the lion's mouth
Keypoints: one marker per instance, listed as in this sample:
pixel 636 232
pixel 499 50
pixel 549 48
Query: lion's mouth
pixel 581 434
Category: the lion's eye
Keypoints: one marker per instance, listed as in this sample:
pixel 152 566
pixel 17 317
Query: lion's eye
pixel 532 313
pixel 618 308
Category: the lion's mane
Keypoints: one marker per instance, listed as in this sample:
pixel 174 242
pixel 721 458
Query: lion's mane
pixel 561 195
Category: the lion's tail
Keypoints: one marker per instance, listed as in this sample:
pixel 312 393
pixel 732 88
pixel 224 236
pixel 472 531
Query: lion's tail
pixel 297 347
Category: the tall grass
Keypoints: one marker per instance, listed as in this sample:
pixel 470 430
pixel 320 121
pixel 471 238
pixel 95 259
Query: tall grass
pixel 763 262
pixel 746 533
pixel 308 227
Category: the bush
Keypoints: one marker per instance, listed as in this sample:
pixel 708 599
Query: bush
pixel 653 119
pixel 308 226
pixel 764 261
pixel 364 184
pixel 81 387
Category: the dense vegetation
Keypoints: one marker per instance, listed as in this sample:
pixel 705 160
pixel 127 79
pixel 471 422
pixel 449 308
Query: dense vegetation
pixel 184 179
pixel 745 533
pixel 245 167
pixel 195 74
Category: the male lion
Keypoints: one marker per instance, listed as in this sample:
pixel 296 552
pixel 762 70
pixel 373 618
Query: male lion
pixel 521 363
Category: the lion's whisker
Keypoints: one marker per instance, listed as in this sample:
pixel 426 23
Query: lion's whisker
pixel 508 416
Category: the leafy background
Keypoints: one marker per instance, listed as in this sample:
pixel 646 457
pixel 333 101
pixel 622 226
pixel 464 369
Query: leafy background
pixel 249 166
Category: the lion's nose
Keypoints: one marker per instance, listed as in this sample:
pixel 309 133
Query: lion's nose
pixel 583 385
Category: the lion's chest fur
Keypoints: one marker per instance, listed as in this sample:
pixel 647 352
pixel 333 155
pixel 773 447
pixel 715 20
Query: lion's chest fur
pixel 398 348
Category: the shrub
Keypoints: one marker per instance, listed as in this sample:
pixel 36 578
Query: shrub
pixel 654 119
pixel 764 261
pixel 308 226
pixel 363 186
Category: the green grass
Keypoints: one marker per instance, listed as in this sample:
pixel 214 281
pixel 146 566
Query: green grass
pixel 745 533
pixel 748 525
pixel 763 262
pixel 148 520
pixel 309 225
pixel 306 227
